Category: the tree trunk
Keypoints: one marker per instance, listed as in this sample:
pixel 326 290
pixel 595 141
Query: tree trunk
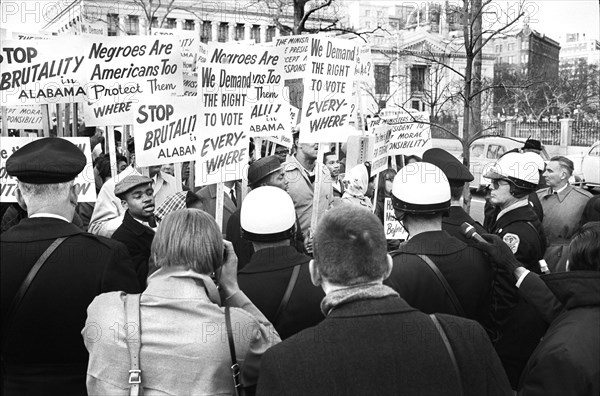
pixel 298 15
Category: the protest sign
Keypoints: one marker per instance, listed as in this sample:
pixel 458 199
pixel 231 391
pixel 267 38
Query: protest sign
pixel 188 40
pixel 410 132
pixel 224 83
pixel 30 36
pixel 380 148
pixel 24 117
pixel 393 228
pixel 295 55
pixel 164 129
pixel 84 182
pixel 42 71
pixel 364 70
pixel 328 91
pixel 123 69
pixel 282 140
pixel 190 85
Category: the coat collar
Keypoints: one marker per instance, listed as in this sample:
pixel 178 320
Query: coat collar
pixel 371 307
pixel 547 193
pixel 135 226
pixel 575 288
pixel 40 228
pixel 457 216
pixel 273 259
pixel 181 283
pixel 432 242
pixel 524 213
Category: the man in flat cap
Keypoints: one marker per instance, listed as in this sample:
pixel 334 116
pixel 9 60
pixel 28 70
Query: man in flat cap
pixel 139 226
pixel 51 272
pixel 266 171
pixel 457 174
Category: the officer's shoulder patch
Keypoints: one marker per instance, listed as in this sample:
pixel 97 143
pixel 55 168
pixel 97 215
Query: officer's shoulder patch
pixel 512 240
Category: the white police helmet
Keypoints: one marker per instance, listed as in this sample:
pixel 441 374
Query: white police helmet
pixel 521 169
pixel 267 215
pixel 421 187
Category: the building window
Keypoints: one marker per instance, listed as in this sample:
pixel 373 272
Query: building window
pixel 255 33
pixel 524 45
pixel 270 33
pixel 239 31
pixel 499 48
pixel 222 33
pixel 132 25
pixel 171 23
pixel 417 79
pixel 188 24
pixel 368 13
pixel 511 46
pixel 154 22
pixel 524 58
pixel 284 32
pixel 206 34
pixel 416 105
pixel 368 25
pixel 511 60
pixel 113 24
pixel 382 79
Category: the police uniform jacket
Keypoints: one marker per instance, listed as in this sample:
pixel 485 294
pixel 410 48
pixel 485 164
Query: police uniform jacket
pixel 137 238
pixel 562 214
pixel 522 231
pixel 44 352
pixel 273 267
pixel 466 269
pixel 456 216
pixel 382 347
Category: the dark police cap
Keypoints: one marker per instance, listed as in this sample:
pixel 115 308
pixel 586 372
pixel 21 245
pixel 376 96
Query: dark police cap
pixel 46 161
pixel 129 183
pixel 456 172
pixel 262 168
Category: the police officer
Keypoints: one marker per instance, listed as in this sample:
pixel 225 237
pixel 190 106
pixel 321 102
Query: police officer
pixel 457 175
pixel 513 177
pixel 290 301
pixel 43 312
pixel 433 271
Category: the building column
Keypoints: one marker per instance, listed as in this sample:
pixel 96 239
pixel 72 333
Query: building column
pixel 566 135
pixel 214 26
pixel 263 33
pixel 231 33
pixel 143 26
pixel 179 23
pixel 198 27
pixel 247 29
pixel 121 30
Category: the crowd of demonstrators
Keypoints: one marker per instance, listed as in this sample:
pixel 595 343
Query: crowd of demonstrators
pixel 563 205
pixel 372 342
pixel 332 162
pixel 354 320
pixel 291 301
pixel 182 318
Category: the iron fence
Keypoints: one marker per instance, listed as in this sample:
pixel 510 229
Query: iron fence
pixel 585 133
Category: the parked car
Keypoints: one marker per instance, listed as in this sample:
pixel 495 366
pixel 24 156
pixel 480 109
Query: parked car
pixel 590 166
pixel 486 150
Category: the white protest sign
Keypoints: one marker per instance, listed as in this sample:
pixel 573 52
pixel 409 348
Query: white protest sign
pixel 328 91
pixel 164 129
pixel 410 136
pixel 393 228
pixel 124 69
pixel 84 182
pixel 365 70
pixel 223 86
pixel 380 149
pixel 24 117
pixel 188 40
pixel 282 140
pixel 42 71
pixel 30 36
pixel 295 55
pixel 202 52
pixel 190 85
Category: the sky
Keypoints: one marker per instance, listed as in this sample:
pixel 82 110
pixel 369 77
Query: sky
pixel 554 18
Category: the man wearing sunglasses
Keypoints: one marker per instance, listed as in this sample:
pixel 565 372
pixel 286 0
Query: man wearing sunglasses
pixel 512 178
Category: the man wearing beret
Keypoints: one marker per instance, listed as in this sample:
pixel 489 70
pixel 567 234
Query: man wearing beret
pixel 43 312
pixel 139 226
pixel 457 175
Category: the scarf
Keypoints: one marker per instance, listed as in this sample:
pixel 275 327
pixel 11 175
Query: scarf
pixel 364 291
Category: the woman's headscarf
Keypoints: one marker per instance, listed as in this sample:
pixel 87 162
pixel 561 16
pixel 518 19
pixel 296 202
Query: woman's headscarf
pixel 357 182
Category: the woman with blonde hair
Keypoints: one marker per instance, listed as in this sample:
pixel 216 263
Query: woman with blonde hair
pixel 188 343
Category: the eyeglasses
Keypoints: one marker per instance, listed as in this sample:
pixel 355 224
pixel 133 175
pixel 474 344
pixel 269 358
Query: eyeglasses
pixel 496 183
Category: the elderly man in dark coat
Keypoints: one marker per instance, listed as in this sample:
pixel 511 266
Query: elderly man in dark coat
pixel 46 292
pixel 139 226
pixel 372 342
pixel 290 301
